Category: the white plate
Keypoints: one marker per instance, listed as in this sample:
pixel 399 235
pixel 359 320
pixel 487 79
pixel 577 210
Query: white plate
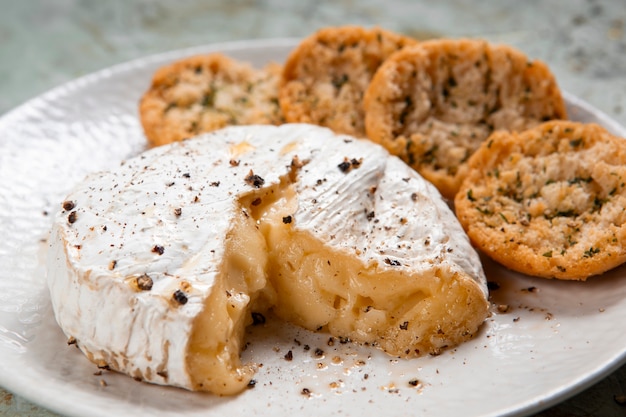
pixel 558 338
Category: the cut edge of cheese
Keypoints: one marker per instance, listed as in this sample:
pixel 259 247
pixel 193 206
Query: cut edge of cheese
pixel 276 254
pixel 308 284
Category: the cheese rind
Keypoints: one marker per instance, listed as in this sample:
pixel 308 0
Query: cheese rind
pixel 156 266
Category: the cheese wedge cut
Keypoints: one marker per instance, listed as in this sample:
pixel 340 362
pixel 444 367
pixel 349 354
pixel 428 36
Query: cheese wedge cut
pixel 157 267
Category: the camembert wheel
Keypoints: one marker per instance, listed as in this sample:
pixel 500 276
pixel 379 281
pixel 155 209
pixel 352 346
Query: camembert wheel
pixel 157 266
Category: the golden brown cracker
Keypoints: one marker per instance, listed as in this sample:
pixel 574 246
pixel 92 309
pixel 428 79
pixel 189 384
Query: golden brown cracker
pixel 207 92
pixel 325 77
pixel 550 201
pixel 434 103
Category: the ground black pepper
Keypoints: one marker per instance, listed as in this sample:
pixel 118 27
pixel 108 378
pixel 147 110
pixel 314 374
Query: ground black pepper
pixel 144 282
pixel 344 166
pixel 492 285
pixel 254 180
pixel 257 318
pixel 392 262
pixel 68 205
pixel 180 297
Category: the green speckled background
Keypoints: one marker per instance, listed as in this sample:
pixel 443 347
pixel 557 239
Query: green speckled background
pixel 44 43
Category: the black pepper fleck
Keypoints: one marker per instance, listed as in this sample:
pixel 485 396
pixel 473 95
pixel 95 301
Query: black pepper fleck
pixel 404 326
pixel 289 356
pixel 319 352
pixel 180 297
pixel 71 218
pixel 254 180
pixel 178 211
pixel 392 262
pixel 257 318
pixel 158 249
pixel 144 282
pixel 492 285
pixel 344 166
pixel 68 205
pixel 257 201
pixel 287 219
pixel 252 383
pixel 414 382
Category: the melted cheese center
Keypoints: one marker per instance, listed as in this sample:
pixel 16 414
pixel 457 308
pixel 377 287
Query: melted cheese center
pixel 271 264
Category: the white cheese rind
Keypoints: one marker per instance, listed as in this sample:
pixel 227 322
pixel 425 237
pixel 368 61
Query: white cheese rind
pixel 166 214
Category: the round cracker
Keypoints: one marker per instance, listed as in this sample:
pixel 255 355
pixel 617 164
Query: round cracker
pixel 207 92
pixel 326 75
pixel 434 103
pixel 550 201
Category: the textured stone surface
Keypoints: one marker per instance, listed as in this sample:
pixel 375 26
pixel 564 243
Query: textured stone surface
pixel 44 43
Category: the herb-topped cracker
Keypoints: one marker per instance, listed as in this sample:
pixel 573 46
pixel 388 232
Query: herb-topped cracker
pixel 434 103
pixel 550 201
pixel 325 77
pixel 207 92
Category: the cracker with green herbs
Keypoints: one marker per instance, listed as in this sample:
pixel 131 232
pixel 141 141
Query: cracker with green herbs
pixel 434 103
pixel 207 92
pixel 325 77
pixel 550 201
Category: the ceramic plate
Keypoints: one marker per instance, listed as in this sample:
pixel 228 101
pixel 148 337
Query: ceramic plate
pixel 556 339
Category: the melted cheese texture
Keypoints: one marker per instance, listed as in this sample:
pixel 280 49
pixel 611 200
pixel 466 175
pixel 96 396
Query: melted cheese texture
pixel 156 267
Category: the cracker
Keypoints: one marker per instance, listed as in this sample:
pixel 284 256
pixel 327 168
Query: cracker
pixel 434 103
pixel 207 92
pixel 326 75
pixel 550 201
